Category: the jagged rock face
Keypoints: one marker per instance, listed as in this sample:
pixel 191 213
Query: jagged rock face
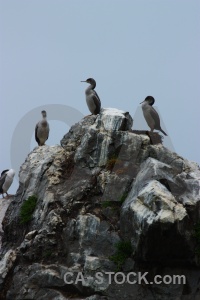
pixel 161 206
pixel 104 184
pixel 3 207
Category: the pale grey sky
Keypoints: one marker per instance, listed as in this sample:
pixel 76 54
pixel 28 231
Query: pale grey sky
pixel 132 48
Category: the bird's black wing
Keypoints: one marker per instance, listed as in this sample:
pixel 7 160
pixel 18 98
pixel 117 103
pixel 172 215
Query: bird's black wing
pixel 2 180
pixel 97 96
pixel 36 137
pixel 97 103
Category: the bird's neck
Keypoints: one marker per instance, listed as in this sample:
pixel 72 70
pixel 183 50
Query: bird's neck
pixel 90 88
pixel 44 122
pixel 145 104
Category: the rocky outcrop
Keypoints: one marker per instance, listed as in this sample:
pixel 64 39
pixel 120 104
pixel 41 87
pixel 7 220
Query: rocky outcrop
pixel 108 200
pixel 4 203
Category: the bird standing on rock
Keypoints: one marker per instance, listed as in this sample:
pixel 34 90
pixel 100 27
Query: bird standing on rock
pixel 42 130
pixel 92 99
pixel 150 114
pixel 6 180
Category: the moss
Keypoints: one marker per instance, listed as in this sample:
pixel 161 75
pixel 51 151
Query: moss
pixel 197 231
pixel 124 250
pixel 112 204
pixel 106 204
pixel 27 209
pixel 123 197
pixel 47 253
pixel 118 203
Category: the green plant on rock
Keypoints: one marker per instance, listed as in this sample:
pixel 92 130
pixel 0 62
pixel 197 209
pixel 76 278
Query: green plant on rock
pixel 112 204
pixel 118 203
pixel 27 209
pixel 124 250
pixel 47 253
pixel 123 197
pixel 106 204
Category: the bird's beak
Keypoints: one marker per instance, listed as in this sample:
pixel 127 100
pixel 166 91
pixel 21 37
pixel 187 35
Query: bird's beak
pixel 83 81
pixel 142 102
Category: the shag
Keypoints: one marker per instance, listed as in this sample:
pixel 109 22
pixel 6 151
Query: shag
pixel 42 130
pixel 92 99
pixel 6 180
pixel 150 114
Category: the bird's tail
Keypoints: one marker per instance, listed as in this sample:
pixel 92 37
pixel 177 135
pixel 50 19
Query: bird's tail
pixel 163 131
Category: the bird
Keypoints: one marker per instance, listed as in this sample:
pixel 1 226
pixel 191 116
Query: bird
pixel 6 180
pixel 150 114
pixel 92 99
pixel 42 130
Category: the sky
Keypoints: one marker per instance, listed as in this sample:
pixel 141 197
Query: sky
pixel 132 48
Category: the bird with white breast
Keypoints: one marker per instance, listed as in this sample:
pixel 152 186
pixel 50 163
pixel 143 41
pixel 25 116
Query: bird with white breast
pixel 6 180
pixel 92 99
pixel 150 114
pixel 42 130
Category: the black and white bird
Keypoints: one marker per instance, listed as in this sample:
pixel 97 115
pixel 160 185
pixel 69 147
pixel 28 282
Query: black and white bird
pixel 150 114
pixel 92 99
pixel 6 180
pixel 42 130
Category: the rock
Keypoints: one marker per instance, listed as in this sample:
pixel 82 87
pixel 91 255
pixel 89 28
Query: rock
pixel 105 187
pixel 30 235
pixel 156 209
pixel 111 119
pixel 4 203
pixel 128 265
pixel 6 264
pixel 95 297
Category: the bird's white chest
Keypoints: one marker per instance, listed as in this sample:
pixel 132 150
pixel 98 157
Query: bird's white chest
pixel 146 110
pixel 147 115
pixel 43 130
pixel 7 183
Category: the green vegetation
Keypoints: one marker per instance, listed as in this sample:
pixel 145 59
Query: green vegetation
pixel 197 236
pixel 124 250
pixel 27 209
pixel 123 198
pixel 108 203
pixel 47 253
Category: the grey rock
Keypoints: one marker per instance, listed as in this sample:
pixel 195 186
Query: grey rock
pixel 128 265
pixel 96 297
pixel 104 185
pixel 158 203
pixel 4 203
pixel 6 264
pixel 111 119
